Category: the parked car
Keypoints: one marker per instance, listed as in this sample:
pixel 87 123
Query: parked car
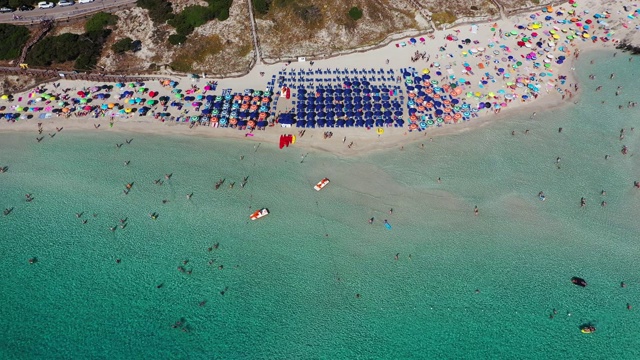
pixel 45 5
pixel 85 1
pixel 25 8
pixel 65 3
pixel 6 10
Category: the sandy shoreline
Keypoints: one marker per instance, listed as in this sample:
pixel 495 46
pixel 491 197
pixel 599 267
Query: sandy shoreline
pixel 364 140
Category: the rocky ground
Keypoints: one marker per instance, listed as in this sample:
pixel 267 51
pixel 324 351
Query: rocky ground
pixel 10 84
pixel 284 32
pixel 216 48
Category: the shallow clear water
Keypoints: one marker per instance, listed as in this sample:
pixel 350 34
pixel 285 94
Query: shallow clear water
pixel 291 279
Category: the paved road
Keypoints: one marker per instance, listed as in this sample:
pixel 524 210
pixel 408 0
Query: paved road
pixel 63 13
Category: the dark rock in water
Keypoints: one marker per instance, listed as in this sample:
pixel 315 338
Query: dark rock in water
pixel 578 281
pixel 625 46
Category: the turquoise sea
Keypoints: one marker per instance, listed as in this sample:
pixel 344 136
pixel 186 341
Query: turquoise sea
pixel 314 279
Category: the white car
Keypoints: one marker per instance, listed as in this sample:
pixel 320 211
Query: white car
pixel 65 3
pixel 85 1
pixel 45 5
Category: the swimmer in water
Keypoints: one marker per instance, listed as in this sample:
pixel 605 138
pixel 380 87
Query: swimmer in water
pixel 371 221
pixel 583 202
pixel 476 212
pixel 603 204
pixel 390 211
pixel 189 196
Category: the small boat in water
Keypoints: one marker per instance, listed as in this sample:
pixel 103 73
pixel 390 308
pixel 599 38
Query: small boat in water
pixel 587 329
pixel 578 281
pixel 319 186
pixel 259 214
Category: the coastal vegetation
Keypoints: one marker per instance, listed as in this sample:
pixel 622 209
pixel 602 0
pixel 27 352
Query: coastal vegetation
pixel 99 21
pixel 83 49
pixel 123 45
pixel 199 50
pixel 443 17
pixel 355 13
pixel 191 17
pixel 16 3
pixel 308 13
pixel 12 39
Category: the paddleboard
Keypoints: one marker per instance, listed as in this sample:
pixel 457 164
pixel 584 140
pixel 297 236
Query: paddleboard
pixel 387 225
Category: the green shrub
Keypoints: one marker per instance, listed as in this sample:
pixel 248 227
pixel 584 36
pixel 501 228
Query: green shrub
pixel 355 13
pixel 160 11
pixel 260 6
pixel 122 45
pixel 223 15
pixel 16 3
pixel 99 21
pixel 12 40
pixel 84 49
pixel 177 39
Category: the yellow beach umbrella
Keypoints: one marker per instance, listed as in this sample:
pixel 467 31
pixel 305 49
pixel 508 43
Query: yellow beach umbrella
pixel 425 71
pixel 4 97
pixel 586 36
pixel 380 131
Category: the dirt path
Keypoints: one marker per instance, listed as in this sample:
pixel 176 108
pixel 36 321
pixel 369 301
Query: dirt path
pixel 254 34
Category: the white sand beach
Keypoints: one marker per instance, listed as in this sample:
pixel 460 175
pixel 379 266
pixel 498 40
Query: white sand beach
pixel 555 37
